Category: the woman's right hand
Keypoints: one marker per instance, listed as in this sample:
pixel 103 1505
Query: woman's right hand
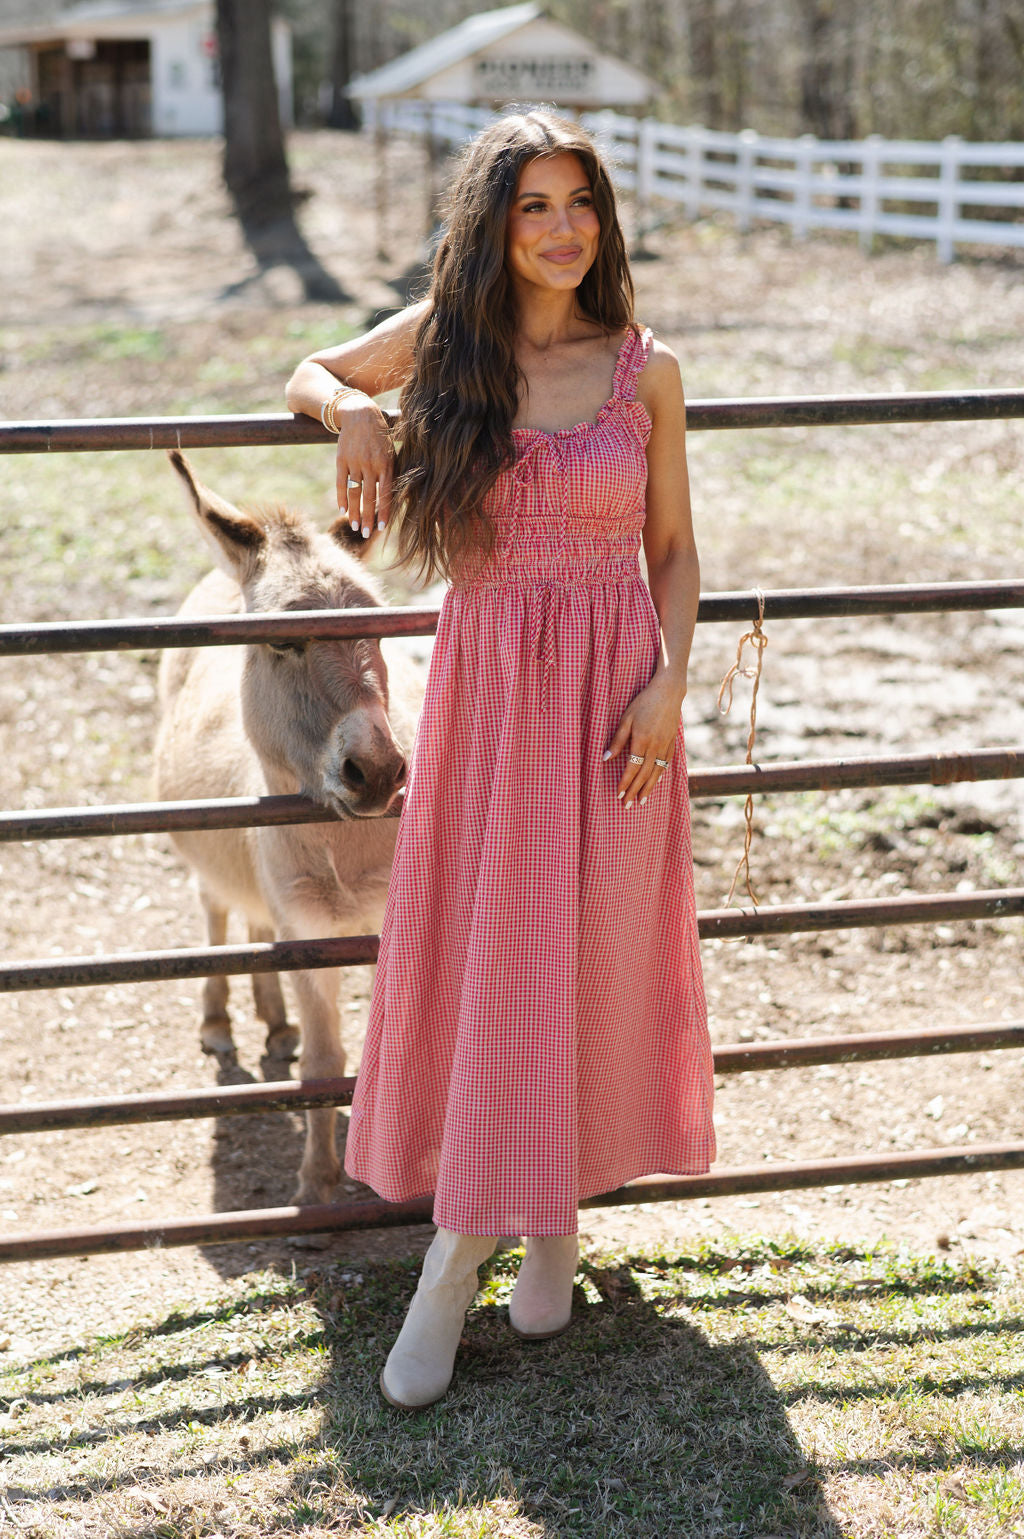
pixel 364 462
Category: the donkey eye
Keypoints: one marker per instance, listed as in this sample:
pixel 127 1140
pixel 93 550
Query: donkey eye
pixel 283 647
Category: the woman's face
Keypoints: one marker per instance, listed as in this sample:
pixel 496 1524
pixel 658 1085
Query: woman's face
pixel 553 230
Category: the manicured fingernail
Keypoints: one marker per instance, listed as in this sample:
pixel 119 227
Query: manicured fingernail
pixel 380 523
pixel 642 800
pixel 354 523
pixel 607 754
pixel 621 795
pixel 630 802
pixel 366 534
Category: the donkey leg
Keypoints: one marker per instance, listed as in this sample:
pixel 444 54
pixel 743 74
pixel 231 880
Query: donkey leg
pixel 215 1033
pixel 282 1039
pixel 322 1057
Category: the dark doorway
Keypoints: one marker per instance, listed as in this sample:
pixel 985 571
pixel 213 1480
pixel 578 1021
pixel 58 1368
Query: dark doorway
pixel 104 96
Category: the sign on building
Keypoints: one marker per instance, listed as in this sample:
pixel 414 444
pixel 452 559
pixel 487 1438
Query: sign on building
pixel 535 78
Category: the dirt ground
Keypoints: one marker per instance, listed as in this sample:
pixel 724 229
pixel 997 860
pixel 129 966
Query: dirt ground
pixel 106 242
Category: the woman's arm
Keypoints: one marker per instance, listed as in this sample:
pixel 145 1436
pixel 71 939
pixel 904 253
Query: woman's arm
pixel 651 721
pixel 349 376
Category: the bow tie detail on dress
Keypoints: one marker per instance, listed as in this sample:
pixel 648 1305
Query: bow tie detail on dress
pixel 541 624
pixel 540 640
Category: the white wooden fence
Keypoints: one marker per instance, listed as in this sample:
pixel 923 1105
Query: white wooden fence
pixel 950 192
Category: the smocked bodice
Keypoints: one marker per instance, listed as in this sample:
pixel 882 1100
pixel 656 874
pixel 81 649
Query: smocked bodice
pixel 570 508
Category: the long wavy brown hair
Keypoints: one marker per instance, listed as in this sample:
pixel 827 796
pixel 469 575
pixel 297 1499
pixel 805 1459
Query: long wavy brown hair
pixel 459 404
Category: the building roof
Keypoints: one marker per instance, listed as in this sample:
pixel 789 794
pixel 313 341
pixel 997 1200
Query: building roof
pixel 79 20
pixel 109 10
pixel 23 12
pixel 471 36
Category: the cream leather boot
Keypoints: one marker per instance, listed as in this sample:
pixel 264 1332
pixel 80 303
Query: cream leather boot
pixel 541 1302
pixel 419 1366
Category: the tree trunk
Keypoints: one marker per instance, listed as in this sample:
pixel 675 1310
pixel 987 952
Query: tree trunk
pixel 255 165
pixel 342 114
pixel 817 84
pixel 827 75
pixel 704 64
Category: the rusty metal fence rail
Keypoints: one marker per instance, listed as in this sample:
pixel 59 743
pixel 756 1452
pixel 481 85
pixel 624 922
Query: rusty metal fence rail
pixel 79 822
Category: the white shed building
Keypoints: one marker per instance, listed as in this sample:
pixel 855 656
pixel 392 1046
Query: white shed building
pixel 514 54
pixel 118 68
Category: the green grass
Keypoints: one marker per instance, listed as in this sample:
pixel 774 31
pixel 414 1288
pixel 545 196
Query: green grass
pixel 852 823
pixel 106 534
pixel 742 1388
pixel 91 535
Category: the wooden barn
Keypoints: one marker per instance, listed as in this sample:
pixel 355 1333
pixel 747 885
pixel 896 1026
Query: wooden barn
pixel 120 69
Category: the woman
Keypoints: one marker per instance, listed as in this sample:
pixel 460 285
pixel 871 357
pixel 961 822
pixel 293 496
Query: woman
pixel 537 1031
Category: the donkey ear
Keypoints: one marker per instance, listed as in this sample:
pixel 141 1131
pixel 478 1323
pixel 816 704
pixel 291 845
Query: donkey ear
pixel 236 540
pixel 342 533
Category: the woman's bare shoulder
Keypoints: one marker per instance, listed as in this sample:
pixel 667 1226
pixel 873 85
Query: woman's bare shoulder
pixel 662 360
pixel 660 383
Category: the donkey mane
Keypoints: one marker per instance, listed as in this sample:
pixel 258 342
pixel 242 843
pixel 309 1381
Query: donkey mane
pixel 286 526
pixel 288 529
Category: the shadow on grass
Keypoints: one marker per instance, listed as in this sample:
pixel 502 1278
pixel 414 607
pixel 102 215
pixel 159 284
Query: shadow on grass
pixel 961 1332
pixel 282 244
pixel 653 1415
pixel 628 1424
pixel 186 1416
pixel 948 1386
pixel 254 1164
pixel 1001 1457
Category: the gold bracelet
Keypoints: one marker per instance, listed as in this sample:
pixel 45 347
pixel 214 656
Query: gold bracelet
pixel 328 409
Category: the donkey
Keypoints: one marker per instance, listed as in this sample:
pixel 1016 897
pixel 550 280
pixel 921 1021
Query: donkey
pixel 324 718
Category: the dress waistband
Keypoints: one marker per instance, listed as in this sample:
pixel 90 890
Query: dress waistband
pixel 540 635
pixel 554 572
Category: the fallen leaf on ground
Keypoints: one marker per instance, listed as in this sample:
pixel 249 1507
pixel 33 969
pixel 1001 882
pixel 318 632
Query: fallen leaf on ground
pixel 797 1478
pixel 801 1308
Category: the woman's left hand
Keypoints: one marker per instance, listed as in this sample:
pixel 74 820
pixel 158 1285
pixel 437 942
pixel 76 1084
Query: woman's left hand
pixel 648 729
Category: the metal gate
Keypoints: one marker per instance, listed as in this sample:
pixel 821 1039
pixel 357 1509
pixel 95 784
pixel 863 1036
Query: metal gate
pixel 743 780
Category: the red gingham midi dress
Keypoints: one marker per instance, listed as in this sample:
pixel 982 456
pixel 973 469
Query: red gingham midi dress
pixel 537 1030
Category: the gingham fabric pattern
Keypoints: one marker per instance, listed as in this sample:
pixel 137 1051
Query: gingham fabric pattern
pixel 538 1030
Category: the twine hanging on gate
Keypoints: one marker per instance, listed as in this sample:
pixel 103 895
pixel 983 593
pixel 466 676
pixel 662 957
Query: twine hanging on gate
pixel 756 639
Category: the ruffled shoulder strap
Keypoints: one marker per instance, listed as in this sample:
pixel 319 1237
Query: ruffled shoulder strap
pixel 632 356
